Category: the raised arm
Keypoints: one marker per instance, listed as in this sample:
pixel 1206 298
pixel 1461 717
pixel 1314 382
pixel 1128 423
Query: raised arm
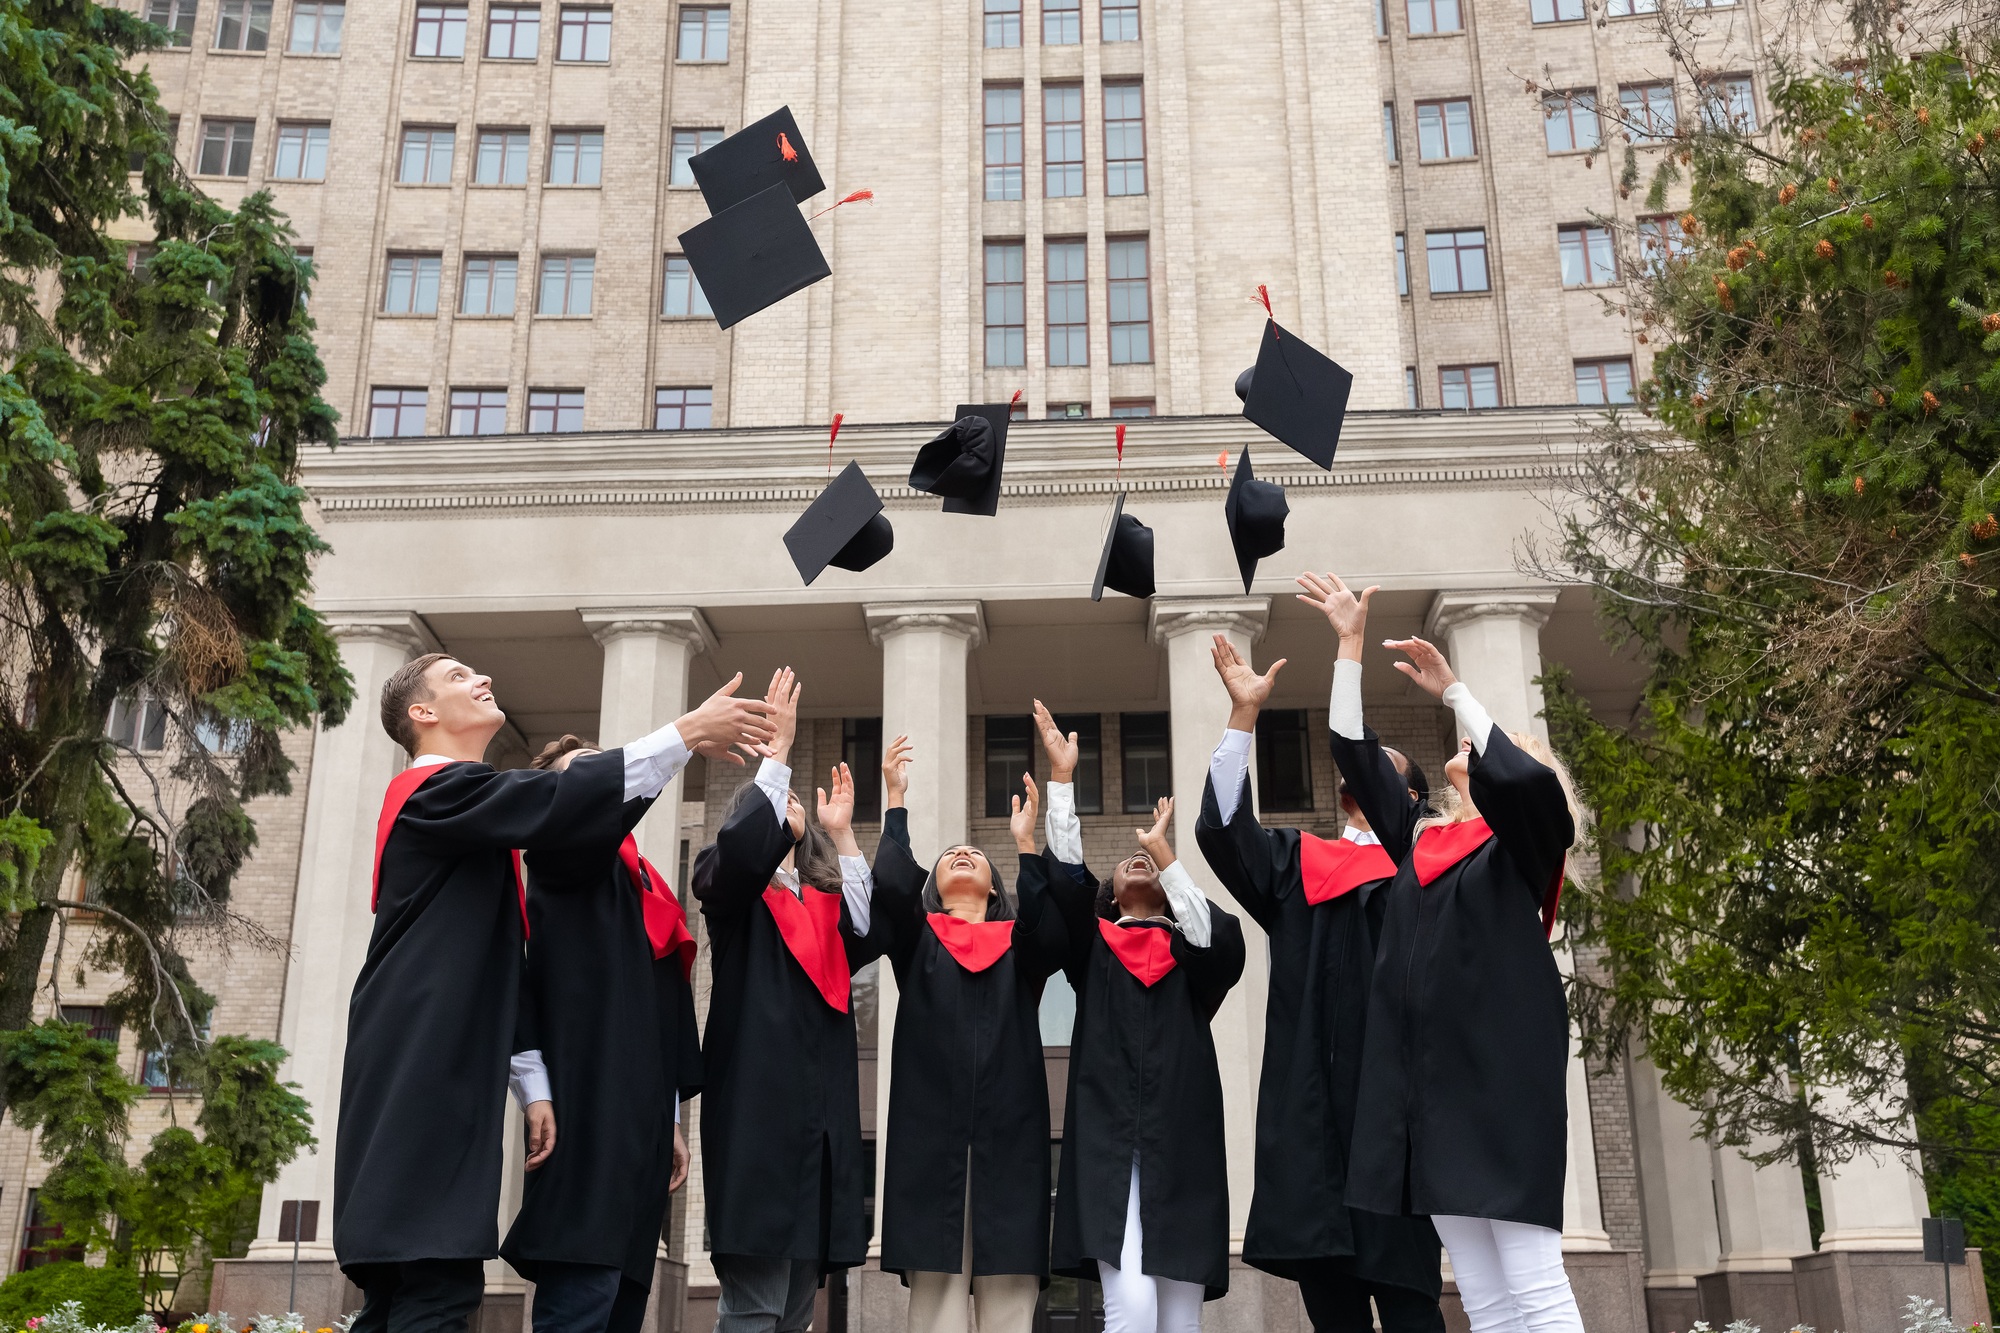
pixel 1190 904
pixel 899 876
pixel 857 884
pixel 1065 831
pixel 1524 804
pixel 723 728
pixel 734 871
pixel 1249 860
pixel 1039 935
pixel 1382 793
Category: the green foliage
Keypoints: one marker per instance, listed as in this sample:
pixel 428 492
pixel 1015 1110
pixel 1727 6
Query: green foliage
pixel 107 1295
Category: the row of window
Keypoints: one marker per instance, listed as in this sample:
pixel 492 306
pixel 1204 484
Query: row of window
pixel 565 285
pixel 1127 293
pixel 513 31
pixel 399 411
pixel 1600 382
pixel 1145 760
pixel 1434 17
pixel 1456 262
pixel 1647 112
pixel 1124 107
pixel 1062 22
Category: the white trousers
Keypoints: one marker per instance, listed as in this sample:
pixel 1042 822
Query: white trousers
pixel 1136 1303
pixel 1510 1275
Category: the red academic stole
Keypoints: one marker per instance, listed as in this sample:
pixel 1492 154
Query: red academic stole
pixel 1332 867
pixel 1443 846
pixel 977 945
pixel 810 926
pixel 1146 951
pixel 399 791
pixel 666 923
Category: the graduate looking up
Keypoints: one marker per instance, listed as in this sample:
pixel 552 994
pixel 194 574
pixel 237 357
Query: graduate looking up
pixel 431 1022
pixel 1321 902
pixel 787 902
pixel 965 1196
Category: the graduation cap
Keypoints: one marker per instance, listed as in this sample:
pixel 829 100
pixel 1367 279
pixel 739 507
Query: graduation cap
pixel 844 527
pixel 753 254
pixel 769 152
pixel 1296 393
pixel 1256 512
pixel 1127 562
pixel 964 463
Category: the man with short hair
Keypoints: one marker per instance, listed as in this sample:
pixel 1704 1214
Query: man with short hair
pixel 431 1023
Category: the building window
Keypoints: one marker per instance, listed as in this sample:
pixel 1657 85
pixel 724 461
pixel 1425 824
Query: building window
pixel 40 1236
pixel 1381 19
pixel 585 35
pixel 1729 105
pixel 225 147
pixel 1067 411
pixel 502 158
pixel 1410 399
pixel 479 411
pixel 1124 139
pixel 555 411
pixel 1589 258
pixel 683 297
pixel 440 32
pixel 301 153
pixel 176 16
pixel 1389 132
pixel 1569 120
pixel 1130 301
pixel 1402 265
pixel 139 722
pixel 243 25
pixel 1284 760
pixel 1620 9
pixel 576 157
pixel 861 751
pixel 410 286
pixel 683 409
pixel 1121 20
pixel 1006 303
pixel 1131 407
pixel 1464 387
pixel 488 286
pixel 1148 760
pixel 513 32
pixel 426 155
pixel 686 144
pixel 1003 143
pixel 1003 22
pixel 316 27
pixel 1603 382
pixel 1062 140
pixel 1089 778
pixel 94 1019
pixel 397 412
pixel 1062 22
pixel 1444 130
pixel 1661 239
pixel 566 283
pixel 1008 756
pixel 1457 261
pixel 1428 16
pixel 1555 11
pixel 704 33
pixel 1069 304
pixel 1648 109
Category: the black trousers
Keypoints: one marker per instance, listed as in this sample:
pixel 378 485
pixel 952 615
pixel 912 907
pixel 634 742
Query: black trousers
pixel 418 1295
pixel 1337 1303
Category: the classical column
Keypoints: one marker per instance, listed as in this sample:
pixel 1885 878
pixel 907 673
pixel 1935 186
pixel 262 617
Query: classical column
pixel 1761 1227
pixel 1873 1201
pixel 1676 1199
pixel 648 653
pixel 1199 710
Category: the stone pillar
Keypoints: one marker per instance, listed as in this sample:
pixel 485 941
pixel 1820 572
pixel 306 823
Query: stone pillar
pixel 1873 1201
pixel 648 653
pixel 1676 1199
pixel 1761 1227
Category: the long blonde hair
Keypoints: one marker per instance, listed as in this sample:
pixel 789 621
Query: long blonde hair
pixel 1450 808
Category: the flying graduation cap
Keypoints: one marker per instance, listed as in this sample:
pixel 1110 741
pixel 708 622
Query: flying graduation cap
pixel 1256 513
pixel 767 152
pixel 845 527
pixel 1295 393
pixel 964 463
pixel 1126 563
pixel 753 254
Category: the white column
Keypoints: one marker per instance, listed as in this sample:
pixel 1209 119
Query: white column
pixel 331 921
pixel 1675 1183
pixel 1873 1201
pixel 925 648
pixel 1199 708
pixel 1493 640
pixel 1760 1211
pixel 648 654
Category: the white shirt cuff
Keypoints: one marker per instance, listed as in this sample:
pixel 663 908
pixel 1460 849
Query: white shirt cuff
pixel 1226 768
pixel 1363 837
pixel 1190 906
pixel 677 1107
pixel 528 1079
pixel 1473 720
pixel 1064 830
pixel 857 886
pixel 776 780
pixel 652 761
pixel 1344 709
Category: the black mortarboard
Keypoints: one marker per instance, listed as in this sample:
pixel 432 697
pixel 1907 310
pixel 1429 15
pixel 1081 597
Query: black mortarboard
pixel 753 159
pixel 1295 393
pixel 1127 562
pixel 753 255
pixel 1256 512
pixel 845 527
pixel 964 463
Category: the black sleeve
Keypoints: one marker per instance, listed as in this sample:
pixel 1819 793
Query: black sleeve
pixel 1258 866
pixel 1039 933
pixel 581 869
pixel 1382 793
pixel 898 910
pixel 732 872
pixel 688 1072
pixel 1522 801
pixel 1072 891
pixel 527 1014
pixel 1212 971
pixel 471 805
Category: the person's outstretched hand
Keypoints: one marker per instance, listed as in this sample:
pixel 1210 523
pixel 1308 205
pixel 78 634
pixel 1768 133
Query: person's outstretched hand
pixel 1347 613
pixel 1248 691
pixel 836 810
pixel 1426 666
pixel 1153 841
pixel 725 727
pixel 896 772
pixel 1021 820
pixel 1062 750
pixel 781 702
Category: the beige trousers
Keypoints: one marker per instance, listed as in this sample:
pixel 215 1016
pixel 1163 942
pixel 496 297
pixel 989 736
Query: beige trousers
pixel 944 1302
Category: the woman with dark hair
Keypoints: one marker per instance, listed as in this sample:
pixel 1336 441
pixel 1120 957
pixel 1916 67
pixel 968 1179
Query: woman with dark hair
pixel 965 1196
pixel 1142 1202
pixel 787 906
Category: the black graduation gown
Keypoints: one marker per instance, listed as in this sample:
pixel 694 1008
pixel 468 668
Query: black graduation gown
pixel 781 1106
pixel 968 1078
pixel 616 1028
pixel 1322 961
pixel 1142 1079
pixel 1463 1106
pixel 423 1090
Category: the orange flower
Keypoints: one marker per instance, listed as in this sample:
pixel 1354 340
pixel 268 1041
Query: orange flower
pixel 1868 221
pixel 1986 529
pixel 1789 193
pixel 1824 249
pixel 1924 114
pixel 1991 323
pixel 1690 224
pixel 1859 485
pixel 1738 257
pixel 1723 296
pixel 1930 402
pixel 1833 185
pixel 1978 142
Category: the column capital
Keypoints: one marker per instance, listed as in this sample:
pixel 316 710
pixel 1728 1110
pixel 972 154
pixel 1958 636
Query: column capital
pixel 1171 617
pixel 682 624
pixel 886 619
pixel 1451 609
pixel 402 629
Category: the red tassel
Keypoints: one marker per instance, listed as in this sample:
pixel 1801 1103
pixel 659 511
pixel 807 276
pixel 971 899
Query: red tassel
pixel 1264 295
pixel 838 417
pixel 858 197
pixel 1121 442
pixel 1222 460
pixel 832 435
pixel 785 149
pixel 1015 399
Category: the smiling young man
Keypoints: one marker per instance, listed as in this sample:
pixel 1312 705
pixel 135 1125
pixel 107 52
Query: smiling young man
pixel 431 1023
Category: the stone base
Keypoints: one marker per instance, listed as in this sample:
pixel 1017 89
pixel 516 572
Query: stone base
pixel 1864 1291
pixel 246 1288
pixel 1674 1309
pixel 1767 1298
pixel 1610 1287
pixel 500 1312
pixel 699 1316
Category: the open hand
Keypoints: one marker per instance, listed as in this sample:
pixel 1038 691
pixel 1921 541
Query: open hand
pixel 1021 821
pixel 1426 666
pixel 723 724
pixel 1062 750
pixel 1248 691
pixel 896 771
pixel 781 701
pixel 1154 840
pixel 539 1122
pixel 836 803
pixel 1347 613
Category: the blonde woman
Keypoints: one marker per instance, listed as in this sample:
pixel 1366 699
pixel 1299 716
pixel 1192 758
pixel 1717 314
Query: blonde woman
pixel 1461 1112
